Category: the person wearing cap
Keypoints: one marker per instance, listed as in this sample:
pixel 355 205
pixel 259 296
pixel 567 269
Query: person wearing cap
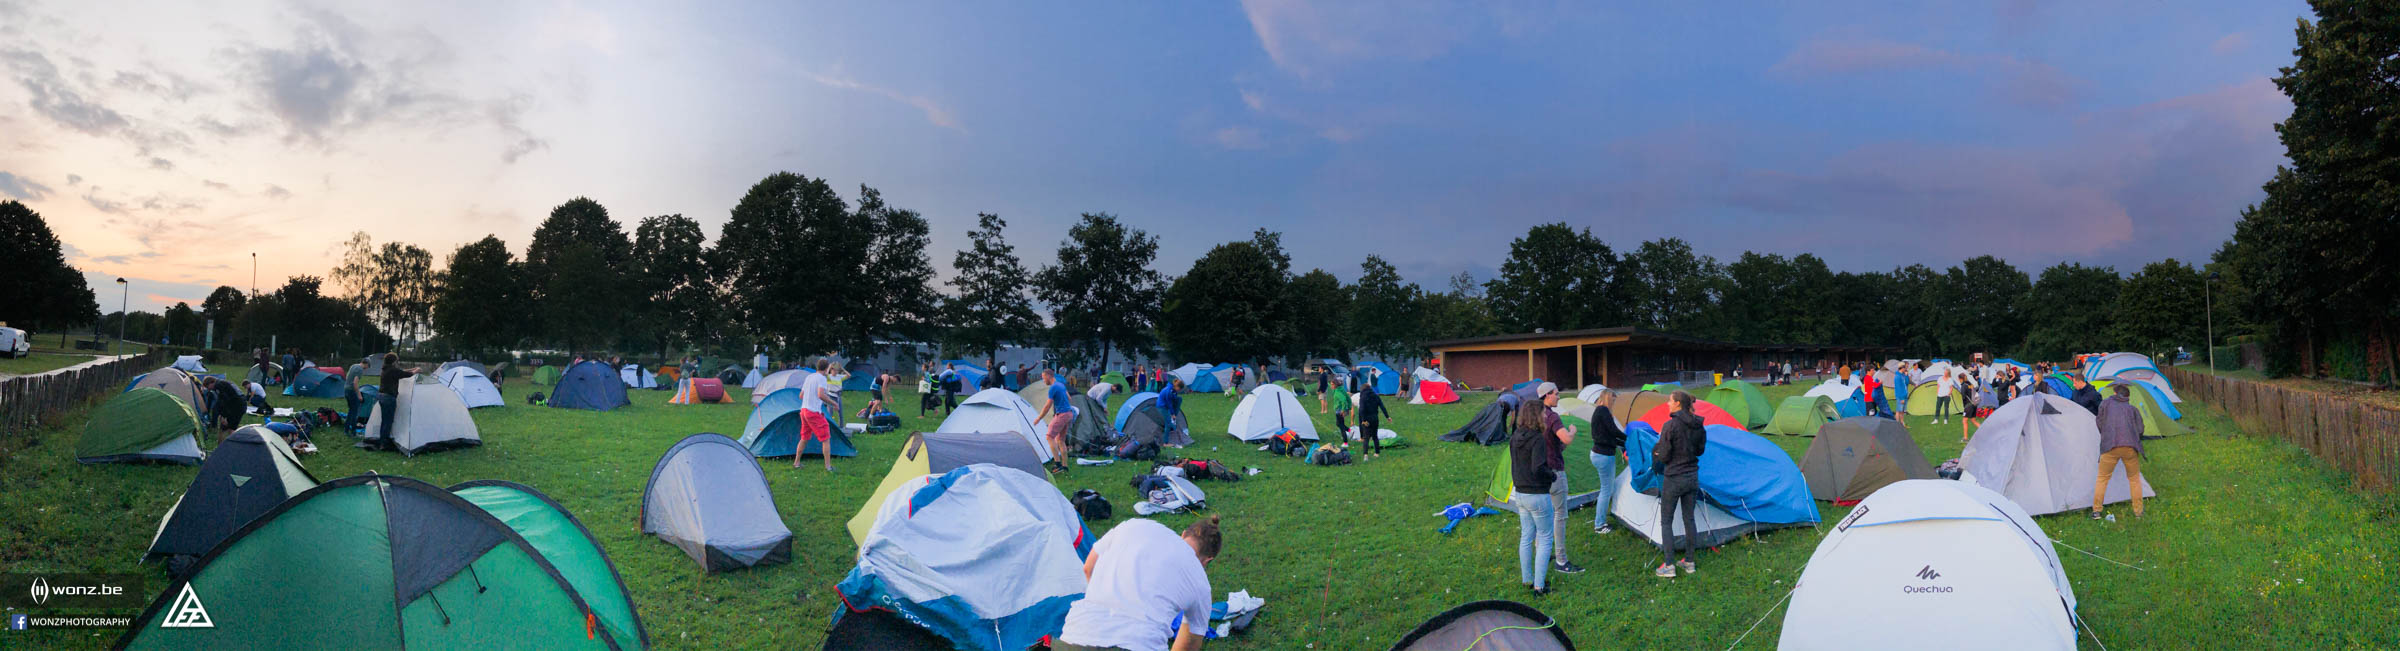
pixel 1534 463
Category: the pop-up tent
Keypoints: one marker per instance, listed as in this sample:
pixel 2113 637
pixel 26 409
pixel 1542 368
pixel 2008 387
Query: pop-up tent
pixel 1269 410
pixel 1925 399
pixel 589 385
pixel 636 377
pixel 1489 426
pixel 987 557
pixel 312 382
pixel 1213 380
pixel 1190 373
pixel 1853 457
pixel 1743 401
pixel 384 562
pixel 546 375
pixel 1709 415
pixel 176 383
pixel 778 381
pixel 2108 366
pixel 250 472
pixel 1488 626
pixel 1091 431
pixel 1802 416
pixel 1932 560
pixel 429 417
pixel 938 453
pixel 270 374
pixel 1037 392
pixel 774 429
pixel 970 374
pixel 472 387
pixel 731 375
pixel 2156 421
pixel 1433 388
pixel 1387 381
pixel 996 411
pixel 480 369
pixel 144 424
pixel 1141 419
pixel 862 376
pixel 2143 389
pixel 2042 451
pixel 708 497
pixel 1496 495
pixel 1849 399
pixel 1746 484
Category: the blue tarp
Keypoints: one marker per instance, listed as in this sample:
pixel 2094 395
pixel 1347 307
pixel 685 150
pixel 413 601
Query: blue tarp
pixel 1740 472
pixel 1387 381
pixel 589 385
pixel 774 428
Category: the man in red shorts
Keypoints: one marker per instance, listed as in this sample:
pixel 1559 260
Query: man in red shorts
pixel 813 424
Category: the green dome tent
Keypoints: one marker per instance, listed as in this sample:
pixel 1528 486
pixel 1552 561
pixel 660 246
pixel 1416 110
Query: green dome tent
pixel 1925 398
pixel 1742 401
pixel 380 562
pixel 1802 415
pixel 144 424
pixel 546 375
pixel 2155 422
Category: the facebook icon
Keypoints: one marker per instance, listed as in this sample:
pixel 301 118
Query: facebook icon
pixel 16 621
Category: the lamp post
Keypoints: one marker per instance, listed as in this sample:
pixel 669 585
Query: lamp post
pixel 254 274
pixel 124 292
pixel 2209 292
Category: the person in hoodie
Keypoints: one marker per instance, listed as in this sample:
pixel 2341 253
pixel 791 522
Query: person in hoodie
pixel 2120 443
pixel 1677 458
pixel 1534 439
pixel 2086 395
pixel 1371 414
pixel 1608 441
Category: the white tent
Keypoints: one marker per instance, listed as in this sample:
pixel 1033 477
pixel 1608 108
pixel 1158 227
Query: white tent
pixel 2042 451
pixel 1592 394
pixel 776 381
pixel 1190 373
pixel 190 363
pixel 708 497
pixel 1639 512
pixel 1269 410
pixel 472 387
pixel 1837 391
pixel 993 411
pixel 1932 559
pixel 751 380
pixel 1931 372
pixel 987 556
pixel 637 378
pixel 430 416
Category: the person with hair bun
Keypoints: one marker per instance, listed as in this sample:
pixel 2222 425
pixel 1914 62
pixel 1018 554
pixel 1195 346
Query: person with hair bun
pixel 1143 576
pixel 1677 460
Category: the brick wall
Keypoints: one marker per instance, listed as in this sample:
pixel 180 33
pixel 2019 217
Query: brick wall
pixel 1480 369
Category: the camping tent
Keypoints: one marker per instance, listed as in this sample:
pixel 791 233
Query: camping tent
pixel 2151 377
pixel 1387 381
pixel 862 376
pixel 430 417
pixel 480 369
pixel 472 387
pixel 2042 451
pixel 1503 483
pixel 1709 415
pixel 311 382
pixel 1488 625
pixel 700 391
pixel 987 557
pixel 269 374
pixel 2107 366
pixel 778 381
pixel 1930 372
pixel 1269 410
pixel 546 375
pixel 1853 457
pixel 1118 380
pixel 731 375
pixel 938 453
pixel 189 364
pixel 970 374
pixel 668 374
pixel 1037 392
pixel 1925 399
pixel 1213 380
pixel 708 497
pixel 1932 560
pixel 251 472
pixel 1090 432
pixel 1747 484
pixel 144 424
pixel 1489 426
pixel 588 385
pixel 1628 405
pixel 175 382
pixel 751 380
pixel 1592 394
pixel 1141 419
pixel 994 411
pixel 2156 422
pixel 385 562
pixel 2157 396
pixel 1743 401
pixel 1802 416
pixel 774 428
pixel 636 377
pixel 1434 393
pixel 1190 373
pixel 1847 398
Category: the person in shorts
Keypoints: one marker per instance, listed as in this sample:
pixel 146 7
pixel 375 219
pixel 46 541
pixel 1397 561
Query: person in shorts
pixel 814 426
pixel 1060 413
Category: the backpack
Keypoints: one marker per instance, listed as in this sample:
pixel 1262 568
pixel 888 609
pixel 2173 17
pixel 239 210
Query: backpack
pixel 883 421
pixel 1137 450
pixel 1285 443
pixel 1091 506
pixel 1330 458
pixel 1198 469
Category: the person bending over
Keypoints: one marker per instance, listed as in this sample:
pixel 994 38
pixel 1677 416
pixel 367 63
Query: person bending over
pixel 1143 576
pixel 1061 415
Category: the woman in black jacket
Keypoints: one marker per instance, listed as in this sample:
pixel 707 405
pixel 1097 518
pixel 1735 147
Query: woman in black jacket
pixel 1677 459
pixel 1534 440
pixel 1607 440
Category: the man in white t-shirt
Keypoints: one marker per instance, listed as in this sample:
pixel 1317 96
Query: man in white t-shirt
pixel 813 424
pixel 1143 575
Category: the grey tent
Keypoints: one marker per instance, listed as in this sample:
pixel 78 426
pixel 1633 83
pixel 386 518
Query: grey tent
pixel 1090 432
pixel 1487 626
pixel 935 453
pixel 248 474
pixel 1852 457
pixel 709 497
pixel 1488 427
pixel 430 417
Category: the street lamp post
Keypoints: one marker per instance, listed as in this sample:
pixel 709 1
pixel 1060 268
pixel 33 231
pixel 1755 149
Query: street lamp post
pixel 124 293
pixel 254 274
pixel 2210 292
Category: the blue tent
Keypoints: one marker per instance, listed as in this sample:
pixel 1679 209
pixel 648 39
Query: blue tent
pixel 1207 381
pixel 2013 362
pixel 969 374
pixel 1387 381
pixel 1944 360
pixel 862 376
pixel 2059 387
pixel 1525 386
pixel 589 385
pixel 1742 473
pixel 774 428
pixel 2158 398
pixel 1135 402
pixel 315 383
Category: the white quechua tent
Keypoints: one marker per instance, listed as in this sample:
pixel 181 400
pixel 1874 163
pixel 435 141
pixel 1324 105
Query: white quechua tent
pixel 2042 451
pixel 1932 560
pixel 472 387
pixel 996 411
pixel 430 417
pixel 1269 410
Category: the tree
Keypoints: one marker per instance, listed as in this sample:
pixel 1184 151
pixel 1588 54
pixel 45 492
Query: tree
pixel 1556 278
pixel 1760 300
pixel 991 308
pixel 181 325
pixel 1981 297
pixel 1102 293
pixel 1458 313
pixel 1382 319
pixel 798 254
pixel 670 278
pixel 2069 311
pixel 221 306
pixel 405 279
pixel 1318 296
pixel 483 299
pixel 1229 306
pixel 2160 309
pixel 899 271
pixel 1676 289
pixel 40 289
pixel 576 264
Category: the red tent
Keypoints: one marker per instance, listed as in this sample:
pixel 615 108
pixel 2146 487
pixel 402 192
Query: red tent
pixel 1709 414
pixel 1436 393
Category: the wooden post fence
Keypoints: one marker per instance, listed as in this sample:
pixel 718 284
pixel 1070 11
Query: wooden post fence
pixel 28 402
pixel 2360 438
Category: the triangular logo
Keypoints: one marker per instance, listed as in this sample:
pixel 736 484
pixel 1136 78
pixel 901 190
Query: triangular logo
pixel 238 480
pixel 187 612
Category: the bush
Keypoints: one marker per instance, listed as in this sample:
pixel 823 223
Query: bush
pixel 2346 357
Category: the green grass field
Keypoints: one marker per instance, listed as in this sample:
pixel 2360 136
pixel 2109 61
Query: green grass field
pixel 2253 544
pixel 39 362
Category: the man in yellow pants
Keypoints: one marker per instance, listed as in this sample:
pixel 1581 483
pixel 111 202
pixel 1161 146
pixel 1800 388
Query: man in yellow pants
pixel 2120 442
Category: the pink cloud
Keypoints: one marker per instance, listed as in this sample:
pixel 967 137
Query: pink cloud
pixel 2231 43
pixel 2017 81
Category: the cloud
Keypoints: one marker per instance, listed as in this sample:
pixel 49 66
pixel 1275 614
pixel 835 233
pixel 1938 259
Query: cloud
pixel 92 196
pixel 1238 138
pixel 2231 43
pixel 74 179
pixel 22 188
pixel 162 164
pixel 53 98
pixel 934 112
pixel 214 184
pixel 1309 39
pixel 509 115
pixel 338 79
pixel 277 192
pixel 2018 81
pixel 160 83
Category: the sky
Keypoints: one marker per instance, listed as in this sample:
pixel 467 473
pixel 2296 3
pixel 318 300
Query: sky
pixel 169 142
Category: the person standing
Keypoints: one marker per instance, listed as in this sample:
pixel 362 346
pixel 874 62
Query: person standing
pixel 1170 403
pixel 1060 414
pixel 1341 412
pixel 2086 395
pixel 1943 387
pixel 814 426
pixel 387 395
pixel 1532 469
pixel 2120 443
pixel 1371 413
pixel 1548 391
pixel 926 388
pixel 1608 441
pixel 1677 458
pixel 1324 385
pixel 1142 577
pixel 1874 389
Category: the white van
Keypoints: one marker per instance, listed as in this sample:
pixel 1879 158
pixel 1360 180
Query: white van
pixel 14 342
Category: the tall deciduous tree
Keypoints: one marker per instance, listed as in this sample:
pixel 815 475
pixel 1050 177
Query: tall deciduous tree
pixel 1316 298
pixel 1382 319
pixel 798 253
pixel 2070 311
pixel 576 263
pixel 1556 278
pixel 1455 314
pixel 222 304
pixel 1229 306
pixel 992 307
pixel 37 286
pixel 2160 309
pixel 670 279
pixel 182 325
pixel 1676 288
pixel 483 299
pixel 1983 295
pixel 1102 293
pixel 899 271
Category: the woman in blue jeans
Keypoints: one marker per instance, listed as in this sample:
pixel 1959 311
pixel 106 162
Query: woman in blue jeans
pixel 1607 441
pixel 1534 440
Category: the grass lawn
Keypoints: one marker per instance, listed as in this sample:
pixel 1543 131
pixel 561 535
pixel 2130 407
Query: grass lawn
pixel 2253 544
pixel 39 362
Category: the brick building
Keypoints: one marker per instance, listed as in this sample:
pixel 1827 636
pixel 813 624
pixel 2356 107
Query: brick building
pixel 1624 356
